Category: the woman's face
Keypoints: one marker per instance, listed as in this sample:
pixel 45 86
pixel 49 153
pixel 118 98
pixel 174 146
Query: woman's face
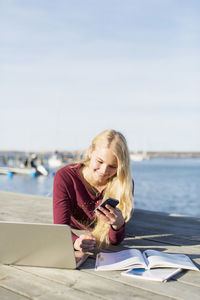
pixel 103 165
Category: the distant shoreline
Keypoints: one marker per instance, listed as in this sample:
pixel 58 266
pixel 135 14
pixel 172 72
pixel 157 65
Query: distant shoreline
pixel 173 154
pixel 149 154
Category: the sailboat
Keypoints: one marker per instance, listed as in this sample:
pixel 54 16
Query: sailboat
pixel 136 156
pixel 139 156
pixel 56 160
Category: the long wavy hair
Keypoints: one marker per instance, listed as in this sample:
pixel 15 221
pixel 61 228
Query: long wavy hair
pixel 120 186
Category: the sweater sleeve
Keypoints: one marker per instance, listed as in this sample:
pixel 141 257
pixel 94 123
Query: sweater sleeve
pixel 117 236
pixel 61 203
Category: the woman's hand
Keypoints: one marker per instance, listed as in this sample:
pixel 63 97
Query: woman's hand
pixel 111 216
pixel 85 243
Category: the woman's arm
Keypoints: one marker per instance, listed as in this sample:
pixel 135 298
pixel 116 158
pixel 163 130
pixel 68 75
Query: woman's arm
pixel 62 213
pixel 61 202
pixel 114 218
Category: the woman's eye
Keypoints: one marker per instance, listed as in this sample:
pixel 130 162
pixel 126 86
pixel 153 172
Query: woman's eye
pixel 113 167
pixel 99 161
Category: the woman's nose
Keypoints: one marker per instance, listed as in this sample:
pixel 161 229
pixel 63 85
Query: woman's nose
pixel 104 169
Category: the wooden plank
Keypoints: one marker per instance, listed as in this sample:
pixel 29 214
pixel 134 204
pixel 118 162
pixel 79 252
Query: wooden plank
pixel 109 282
pixel 92 284
pixel 173 239
pixel 6 294
pixel 165 228
pixel 32 286
pixel 173 289
pixel 25 208
pixel 167 223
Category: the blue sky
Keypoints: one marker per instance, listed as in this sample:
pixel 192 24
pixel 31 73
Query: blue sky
pixel 70 69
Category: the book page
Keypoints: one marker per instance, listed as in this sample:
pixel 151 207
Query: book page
pixel 120 260
pixel 162 259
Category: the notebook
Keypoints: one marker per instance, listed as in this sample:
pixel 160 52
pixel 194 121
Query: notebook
pixel 40 245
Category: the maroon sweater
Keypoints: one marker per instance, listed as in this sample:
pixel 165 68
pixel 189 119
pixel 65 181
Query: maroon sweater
pixel 73 204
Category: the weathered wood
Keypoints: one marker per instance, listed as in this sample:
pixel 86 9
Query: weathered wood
pixel 6 294
pixel 175 234
pixel 72 284
pixel 38 287
pixel 25 208
pixel 177 230
pixel 173 289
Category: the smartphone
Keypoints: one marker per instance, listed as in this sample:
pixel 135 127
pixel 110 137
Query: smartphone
pixel 111 201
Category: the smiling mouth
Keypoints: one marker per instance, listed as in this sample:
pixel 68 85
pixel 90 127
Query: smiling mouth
pixel 102 175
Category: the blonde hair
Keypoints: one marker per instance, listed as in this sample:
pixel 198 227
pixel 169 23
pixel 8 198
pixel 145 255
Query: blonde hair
pixel 120 186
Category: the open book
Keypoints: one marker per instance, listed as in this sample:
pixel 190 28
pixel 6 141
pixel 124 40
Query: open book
pixel 134 259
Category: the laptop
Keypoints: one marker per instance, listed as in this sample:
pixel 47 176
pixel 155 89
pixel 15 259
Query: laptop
pixel 40 245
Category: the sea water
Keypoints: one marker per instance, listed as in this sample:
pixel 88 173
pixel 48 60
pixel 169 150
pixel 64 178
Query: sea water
pixel 170 185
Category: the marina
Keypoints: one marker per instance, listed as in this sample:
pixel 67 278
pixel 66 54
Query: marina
pixel 159 231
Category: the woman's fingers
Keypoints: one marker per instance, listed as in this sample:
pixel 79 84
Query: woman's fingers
pixel 111 216
pixel 85 243
pixel 109 212
pixel 107 218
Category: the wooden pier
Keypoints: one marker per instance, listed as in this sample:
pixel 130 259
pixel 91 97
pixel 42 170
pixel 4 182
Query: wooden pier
pixel 170 233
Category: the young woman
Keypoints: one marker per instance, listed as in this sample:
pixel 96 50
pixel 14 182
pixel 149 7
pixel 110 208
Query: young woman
pixel 80 188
